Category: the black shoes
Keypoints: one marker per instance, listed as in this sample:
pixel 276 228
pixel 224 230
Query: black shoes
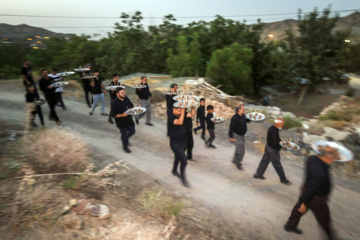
pixel 137 120
pixel 212 146
pixel 150 124
pixel 294 230
pixel 259 176
pixel 195 132
pixel 286 182
pixel 91 113
pixel 104 114
pixel 111 121
pixel 185 182
pixel 33 124
pixel 176 174
pixel 127 150
pixel 203 138
pixel 58 122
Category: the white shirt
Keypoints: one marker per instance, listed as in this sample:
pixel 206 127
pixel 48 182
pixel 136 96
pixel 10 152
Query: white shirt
pixel 56 78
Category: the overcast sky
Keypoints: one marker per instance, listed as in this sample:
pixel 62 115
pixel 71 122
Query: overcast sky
pixel 153 8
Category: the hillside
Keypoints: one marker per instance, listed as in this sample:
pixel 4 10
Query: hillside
pixel 278 29
pixel 21 32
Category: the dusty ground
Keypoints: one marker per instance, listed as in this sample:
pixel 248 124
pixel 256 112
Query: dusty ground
pixel 257 209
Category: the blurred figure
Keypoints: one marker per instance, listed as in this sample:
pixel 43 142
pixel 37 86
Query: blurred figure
pixel 31 97
pixel 144 101
pixel 124 122
pixel 272 153
pixel 170 102
pixel 114 82
pixel 189 132
pixel 86 85
pixel 177 135
pixel 98 90
pixel 59 90
pixel 315 192
pixel 200 117
pixel 27 74
pixel 210 127
pixel 237 131
pixel 50 95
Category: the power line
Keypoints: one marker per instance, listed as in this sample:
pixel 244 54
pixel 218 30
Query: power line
pixel 183 17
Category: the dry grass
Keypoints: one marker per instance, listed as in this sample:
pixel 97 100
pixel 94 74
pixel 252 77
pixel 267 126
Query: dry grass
pixel 74 89
pixel 55 151
pixel 259 147
pixel 136 80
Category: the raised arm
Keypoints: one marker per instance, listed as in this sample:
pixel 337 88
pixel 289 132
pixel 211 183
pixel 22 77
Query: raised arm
pixel 180 120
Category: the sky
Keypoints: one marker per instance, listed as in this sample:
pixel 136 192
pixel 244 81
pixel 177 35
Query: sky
pixel 152 10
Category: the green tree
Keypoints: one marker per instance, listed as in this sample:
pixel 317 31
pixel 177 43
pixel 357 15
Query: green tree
pixel 195 55
pixel 231 68
pixel 180 64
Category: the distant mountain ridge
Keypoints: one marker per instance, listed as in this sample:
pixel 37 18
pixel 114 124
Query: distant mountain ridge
pixel 21 32
pixel 277 29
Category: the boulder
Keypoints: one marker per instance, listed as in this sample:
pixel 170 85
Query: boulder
pixel 335 134
pixel 308 139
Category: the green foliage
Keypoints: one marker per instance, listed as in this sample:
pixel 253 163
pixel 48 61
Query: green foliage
pixel 292 122
pixel 9 168
pixel 156 204
pixel 351 92
pixel 180 64
pixel 336 116
pixel 72 182
pixel 230 67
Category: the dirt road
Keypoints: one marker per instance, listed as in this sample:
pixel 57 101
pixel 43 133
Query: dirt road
pixel 259 208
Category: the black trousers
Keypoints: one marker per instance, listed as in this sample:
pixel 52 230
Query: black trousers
pixel 87 91
pixel 212 136
pixel 178 147
pixel 126 133
pixel 60 100
pixel 189 143
pixel 202 126
pixel 52 100
pixel 318 205
pixel 273 156
pixel 38 111
pixel 168 113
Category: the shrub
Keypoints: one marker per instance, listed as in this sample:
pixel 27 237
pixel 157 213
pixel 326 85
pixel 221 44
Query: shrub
pixel 291 122
pixel 351 92
pixel 55 151
pixel 72 182
pixel 8 168
pixel 336 116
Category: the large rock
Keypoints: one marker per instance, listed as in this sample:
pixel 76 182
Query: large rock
pixel 308 139
pixel 335 134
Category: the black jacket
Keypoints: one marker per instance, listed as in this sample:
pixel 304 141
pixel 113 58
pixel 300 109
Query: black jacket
pixel 143 93
pixel 238 125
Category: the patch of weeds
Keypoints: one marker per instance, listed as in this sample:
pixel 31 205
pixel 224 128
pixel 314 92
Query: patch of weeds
pixel 73 182
pixel 336 116
pixel 8 168
pixel 292 122
pixel 155 203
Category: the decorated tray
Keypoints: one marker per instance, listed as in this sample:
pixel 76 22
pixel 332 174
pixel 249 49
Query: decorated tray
pixel 255 116
pixel 59 84
pixel 65 74
pixel 345 154
pixel 82 69
pixel 186 97
pixel 136 111
pixel 170 93
pixel 112 88
pixel 88 77
pixel 138 86
pixel 185 104
pixel 40 102
pixel 217 120
pixel 289 145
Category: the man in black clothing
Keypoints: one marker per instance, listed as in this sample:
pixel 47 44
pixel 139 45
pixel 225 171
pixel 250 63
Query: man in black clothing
pixel 210 127
pixel 237 131
pixel 177 135
pixel 200 117
pixel 112 93
pixel 144 101
pixel 170 101
pixel 272 153
pixel 27 74
pixel 315 192
pixel 50 95
pixel 124 122
pixel 32 96
pixel 86 85
pixel 189 136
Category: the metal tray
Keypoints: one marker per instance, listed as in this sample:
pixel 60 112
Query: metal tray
pixel 218 120
pixel 133 113
pixel 257 115
pixel 189 104
pixel 345 154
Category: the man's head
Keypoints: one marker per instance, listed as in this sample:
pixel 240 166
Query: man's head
pixel 30 87
pixel 173 87
pixel 210 109
pixel 328 154
pixel 202 101
pixel 116 77
pixel 144 80
pixel 176 111
pixel 96 72
pixel 26 62
pixel 54 70
pixel 44 73
pixel 279 123
pixel 240 109
pixel 88 65
pixel 120 92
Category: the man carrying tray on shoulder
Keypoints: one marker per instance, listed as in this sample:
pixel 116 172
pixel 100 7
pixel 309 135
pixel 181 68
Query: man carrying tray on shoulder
pixel 144 101
pixel 124 122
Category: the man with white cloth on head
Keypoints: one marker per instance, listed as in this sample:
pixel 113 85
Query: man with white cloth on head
pixel 59 90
